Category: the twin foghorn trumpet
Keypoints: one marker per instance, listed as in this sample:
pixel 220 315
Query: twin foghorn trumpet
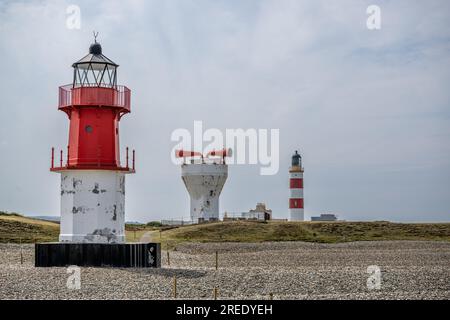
pixel 213 153
pixel 185 154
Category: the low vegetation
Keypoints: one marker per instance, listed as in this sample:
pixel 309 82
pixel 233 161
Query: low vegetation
pixel 16 228
pixel 323 232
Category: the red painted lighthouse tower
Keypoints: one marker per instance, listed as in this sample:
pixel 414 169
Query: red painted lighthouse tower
pixel 296 189
pixel 92 177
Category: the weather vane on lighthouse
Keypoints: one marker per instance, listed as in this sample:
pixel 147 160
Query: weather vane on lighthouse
pixel 95 36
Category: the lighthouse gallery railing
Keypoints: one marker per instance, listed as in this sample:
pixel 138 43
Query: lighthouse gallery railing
pixel 119 96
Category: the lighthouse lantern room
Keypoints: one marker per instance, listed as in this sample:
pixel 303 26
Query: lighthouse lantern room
pixel 92 176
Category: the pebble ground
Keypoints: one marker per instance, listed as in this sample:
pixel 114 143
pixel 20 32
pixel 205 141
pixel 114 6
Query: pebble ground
pixel 287 270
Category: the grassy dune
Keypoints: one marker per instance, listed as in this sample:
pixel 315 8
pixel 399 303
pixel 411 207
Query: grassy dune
pixel 324 232
pixel 16 228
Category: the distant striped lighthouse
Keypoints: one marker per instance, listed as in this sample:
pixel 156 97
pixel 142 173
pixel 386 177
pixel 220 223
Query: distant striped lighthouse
pixel 296 189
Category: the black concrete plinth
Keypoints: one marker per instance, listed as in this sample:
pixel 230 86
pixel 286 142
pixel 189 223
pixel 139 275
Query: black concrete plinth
pixel 122 255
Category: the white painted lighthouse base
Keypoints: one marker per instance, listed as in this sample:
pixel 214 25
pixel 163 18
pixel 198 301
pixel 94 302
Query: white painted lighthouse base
pixel 205 209
pixel 296 215
pixel 204 182
pixel 92 206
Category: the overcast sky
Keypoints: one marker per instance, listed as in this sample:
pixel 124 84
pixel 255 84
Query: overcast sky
pixel 368 109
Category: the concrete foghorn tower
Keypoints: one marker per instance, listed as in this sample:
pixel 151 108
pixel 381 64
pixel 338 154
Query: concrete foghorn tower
pixel 204 179
pixel 92 178
pixel 296 212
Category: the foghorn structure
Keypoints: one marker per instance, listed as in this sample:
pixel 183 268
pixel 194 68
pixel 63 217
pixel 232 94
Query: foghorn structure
pixel 204 178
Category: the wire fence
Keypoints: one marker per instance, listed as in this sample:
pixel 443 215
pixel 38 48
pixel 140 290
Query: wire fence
pixel 175 222
pixel 183 287
pixel 259 216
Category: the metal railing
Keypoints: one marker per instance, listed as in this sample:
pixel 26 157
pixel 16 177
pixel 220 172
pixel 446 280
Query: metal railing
pixel 94 164
pixel 119 96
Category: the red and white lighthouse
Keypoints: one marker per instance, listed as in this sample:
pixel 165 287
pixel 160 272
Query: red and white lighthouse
pixel 92 177
pixel 296 212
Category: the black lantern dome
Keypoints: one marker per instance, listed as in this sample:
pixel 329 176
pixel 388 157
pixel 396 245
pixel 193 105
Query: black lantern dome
pixel 95 48
pixel 95 69
pixel 296 160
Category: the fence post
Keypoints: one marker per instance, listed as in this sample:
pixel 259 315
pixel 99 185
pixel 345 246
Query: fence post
pixel 168 258
pixel 53 157
pixel 175 286
pixel 271 296
pixel 21 254
pixel 215 293
pixel 217 260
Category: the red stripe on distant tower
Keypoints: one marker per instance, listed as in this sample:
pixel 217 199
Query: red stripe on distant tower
pixel 296 183
pixel 296 203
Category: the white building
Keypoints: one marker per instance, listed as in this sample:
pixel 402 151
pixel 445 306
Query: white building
pixel 260 213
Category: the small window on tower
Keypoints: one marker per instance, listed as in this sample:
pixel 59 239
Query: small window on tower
pixel 117 130
pixel 88 129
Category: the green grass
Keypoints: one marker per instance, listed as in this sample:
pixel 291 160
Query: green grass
pixel 322 232
pixel 136 232
pixel 16 228
pixel 3 213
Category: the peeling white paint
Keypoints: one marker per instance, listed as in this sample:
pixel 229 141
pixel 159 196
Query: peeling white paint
pixel 204 183
pixel 92 206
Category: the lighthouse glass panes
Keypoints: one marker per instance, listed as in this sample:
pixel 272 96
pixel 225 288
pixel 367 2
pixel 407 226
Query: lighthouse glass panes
pixel 95 75
pixel 95 70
